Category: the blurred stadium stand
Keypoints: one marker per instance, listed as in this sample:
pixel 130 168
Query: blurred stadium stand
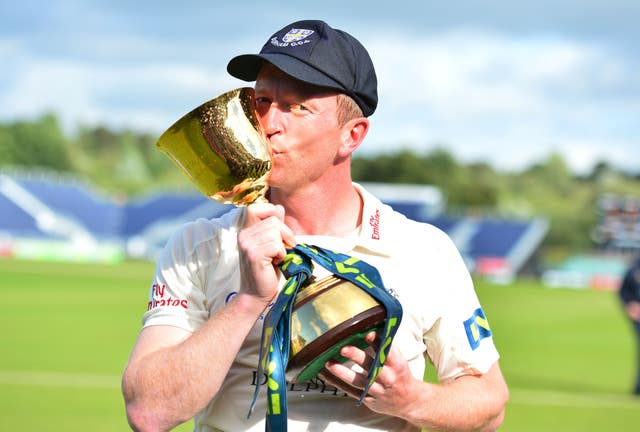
pixel 600 272
pixel 17 221
pixel 150 222
pixel 617 240
pixel 52 217
pixel 618 229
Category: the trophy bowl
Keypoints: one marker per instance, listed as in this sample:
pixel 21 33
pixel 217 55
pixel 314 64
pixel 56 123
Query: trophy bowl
pixel 327 315
pixel 221 148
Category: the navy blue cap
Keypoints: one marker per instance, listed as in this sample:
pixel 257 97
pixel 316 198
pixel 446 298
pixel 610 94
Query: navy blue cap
pixel 316 53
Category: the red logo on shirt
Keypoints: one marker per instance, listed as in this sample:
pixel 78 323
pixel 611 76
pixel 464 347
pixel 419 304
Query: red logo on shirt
pixel 374 221
pixel 158 298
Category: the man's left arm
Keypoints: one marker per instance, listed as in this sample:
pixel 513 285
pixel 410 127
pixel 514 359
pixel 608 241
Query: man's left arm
pixel 469 403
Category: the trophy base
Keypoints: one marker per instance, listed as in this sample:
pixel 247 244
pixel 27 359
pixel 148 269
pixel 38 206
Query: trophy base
pixel 307 363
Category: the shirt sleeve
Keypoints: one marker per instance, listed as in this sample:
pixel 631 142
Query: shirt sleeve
pixel 459 341
pixel 177 293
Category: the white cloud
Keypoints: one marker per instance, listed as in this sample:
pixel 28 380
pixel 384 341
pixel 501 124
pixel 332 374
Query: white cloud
pixel 147 97
pixel 505 98
pixel 502 99
pixel 42 86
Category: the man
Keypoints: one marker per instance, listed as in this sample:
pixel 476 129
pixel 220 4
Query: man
pixel 315 89
pixel 630 297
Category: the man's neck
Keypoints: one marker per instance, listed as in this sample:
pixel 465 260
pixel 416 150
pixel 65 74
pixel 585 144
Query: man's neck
pixel 316 211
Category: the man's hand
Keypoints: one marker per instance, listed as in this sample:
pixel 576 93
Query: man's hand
pixel 633 310
pixel 470 403
pixel 261 244
pixel 389 394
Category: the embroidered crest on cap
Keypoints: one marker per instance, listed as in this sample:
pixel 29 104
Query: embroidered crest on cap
pixel 296 35
pixel 292 37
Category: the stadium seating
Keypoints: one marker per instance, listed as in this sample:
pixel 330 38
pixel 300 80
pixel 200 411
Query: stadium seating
pixel 15 221
pixel 76 201
pixel 138 215
pixel 141 227
pixel 496 237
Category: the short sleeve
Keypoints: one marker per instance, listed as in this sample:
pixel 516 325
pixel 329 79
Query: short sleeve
pixel 459 340
pixel 177 296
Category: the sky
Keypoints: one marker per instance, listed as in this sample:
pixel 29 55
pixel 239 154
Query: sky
pixel 492 81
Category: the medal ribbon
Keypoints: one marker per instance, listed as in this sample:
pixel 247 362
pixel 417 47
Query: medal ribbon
pixel 297 267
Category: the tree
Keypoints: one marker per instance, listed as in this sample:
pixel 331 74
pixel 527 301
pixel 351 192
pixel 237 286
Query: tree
pixel 9 153
pixel 38 143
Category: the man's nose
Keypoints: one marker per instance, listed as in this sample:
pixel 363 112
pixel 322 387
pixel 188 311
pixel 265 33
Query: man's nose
pixel 271 119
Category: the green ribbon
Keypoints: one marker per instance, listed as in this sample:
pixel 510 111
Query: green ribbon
pixel 297 267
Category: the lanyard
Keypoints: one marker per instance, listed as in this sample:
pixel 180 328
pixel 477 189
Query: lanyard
pixel 297 267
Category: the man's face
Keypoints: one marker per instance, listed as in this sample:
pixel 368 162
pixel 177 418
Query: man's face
pixel 301 125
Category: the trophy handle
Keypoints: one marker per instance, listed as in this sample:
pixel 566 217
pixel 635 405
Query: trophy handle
pixel 221 148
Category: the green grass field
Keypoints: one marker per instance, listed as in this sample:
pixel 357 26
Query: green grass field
pixel 67 330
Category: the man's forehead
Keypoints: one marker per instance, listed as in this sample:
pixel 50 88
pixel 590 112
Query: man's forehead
pixel 269 75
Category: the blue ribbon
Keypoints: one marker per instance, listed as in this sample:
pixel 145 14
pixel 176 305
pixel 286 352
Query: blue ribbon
pixel 297 267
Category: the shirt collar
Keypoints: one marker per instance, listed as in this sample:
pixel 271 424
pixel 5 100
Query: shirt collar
pixel 374 230
pixel 374 235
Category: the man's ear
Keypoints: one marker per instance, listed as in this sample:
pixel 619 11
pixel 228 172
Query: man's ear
pixel 353 133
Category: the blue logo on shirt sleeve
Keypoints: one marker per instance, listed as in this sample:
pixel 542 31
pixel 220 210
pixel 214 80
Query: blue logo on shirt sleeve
pixel 477 328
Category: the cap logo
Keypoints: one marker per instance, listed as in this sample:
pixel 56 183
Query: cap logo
pixel 292 37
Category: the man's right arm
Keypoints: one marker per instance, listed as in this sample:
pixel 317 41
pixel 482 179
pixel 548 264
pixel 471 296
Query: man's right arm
pixel 173 374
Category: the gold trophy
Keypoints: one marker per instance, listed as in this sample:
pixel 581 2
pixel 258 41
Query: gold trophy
pixel 221 148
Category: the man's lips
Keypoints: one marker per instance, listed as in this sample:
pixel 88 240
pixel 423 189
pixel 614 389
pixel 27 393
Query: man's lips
pixel 275 152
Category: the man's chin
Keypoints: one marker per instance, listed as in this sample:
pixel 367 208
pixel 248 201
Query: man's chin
pixel 277 175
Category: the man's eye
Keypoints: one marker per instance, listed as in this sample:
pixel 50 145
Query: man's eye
pixel 299 108
pixel 262 100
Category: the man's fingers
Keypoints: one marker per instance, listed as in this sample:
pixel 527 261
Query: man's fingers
pixel 350 381
pixel 363 358
pixel 274 214
pixel 260 211
pixel 329 378
pixel 264 241
pixel 344 378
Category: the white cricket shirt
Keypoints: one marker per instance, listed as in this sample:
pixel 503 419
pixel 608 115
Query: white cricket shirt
pixel 198 273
